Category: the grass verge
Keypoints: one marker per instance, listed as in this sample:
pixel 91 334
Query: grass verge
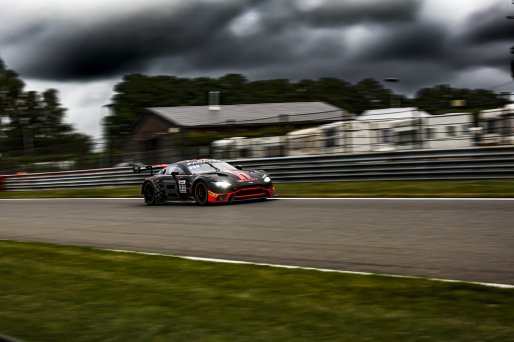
pixel 56 293
pixel 434 188
pixel 431 188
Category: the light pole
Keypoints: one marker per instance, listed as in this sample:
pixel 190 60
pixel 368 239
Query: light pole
pixel 511 50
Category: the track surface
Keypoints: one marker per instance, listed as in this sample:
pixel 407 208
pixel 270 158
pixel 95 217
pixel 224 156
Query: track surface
pixel 466 240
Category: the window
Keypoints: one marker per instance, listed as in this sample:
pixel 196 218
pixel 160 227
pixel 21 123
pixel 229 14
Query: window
pixel 174 168
pixel 465 128
pixel 406 137
pixel 330 137
pixel 430 133
pixel 202 166
pixel 492 126
pixel 450 131
pixel 386 136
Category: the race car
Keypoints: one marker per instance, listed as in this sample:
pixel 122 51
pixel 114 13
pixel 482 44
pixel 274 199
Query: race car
pixel 205 181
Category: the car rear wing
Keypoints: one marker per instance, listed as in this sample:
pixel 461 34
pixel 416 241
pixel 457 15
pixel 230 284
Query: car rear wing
pixel 151 168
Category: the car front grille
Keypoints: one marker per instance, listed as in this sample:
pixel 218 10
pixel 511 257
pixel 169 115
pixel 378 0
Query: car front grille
pixel 251 193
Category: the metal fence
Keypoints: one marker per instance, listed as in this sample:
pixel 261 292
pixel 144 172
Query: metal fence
pixel 123 176
pixel 410 130
pixel 470 163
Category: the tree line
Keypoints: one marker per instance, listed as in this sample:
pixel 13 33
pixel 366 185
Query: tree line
pixel 31 123
pixel 136 92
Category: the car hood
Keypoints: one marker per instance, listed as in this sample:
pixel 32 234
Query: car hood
pixel 237 177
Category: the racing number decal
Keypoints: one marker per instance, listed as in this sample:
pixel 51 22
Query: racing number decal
pixel 182 186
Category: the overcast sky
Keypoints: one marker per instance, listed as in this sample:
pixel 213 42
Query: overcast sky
pixel 82 48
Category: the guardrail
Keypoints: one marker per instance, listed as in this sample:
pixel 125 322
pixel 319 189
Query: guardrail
pixel 122 176
pixel 471 163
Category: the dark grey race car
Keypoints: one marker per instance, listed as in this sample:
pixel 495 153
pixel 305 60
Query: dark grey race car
pixel 205 181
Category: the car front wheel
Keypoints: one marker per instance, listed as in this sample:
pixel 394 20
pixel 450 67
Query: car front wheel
pixel 201 194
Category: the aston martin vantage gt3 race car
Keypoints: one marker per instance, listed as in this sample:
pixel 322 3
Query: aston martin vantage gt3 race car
pixel 205 181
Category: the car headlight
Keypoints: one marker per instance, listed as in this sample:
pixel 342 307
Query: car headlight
pixel 222 184
pixel 267 179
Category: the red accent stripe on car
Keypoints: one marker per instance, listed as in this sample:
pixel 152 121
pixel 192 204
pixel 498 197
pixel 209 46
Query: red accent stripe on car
pixel 239 175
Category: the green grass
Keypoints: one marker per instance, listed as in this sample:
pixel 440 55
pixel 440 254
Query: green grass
pixel 56 293
pixel 431 188
pixel 71 193
pixel 434 188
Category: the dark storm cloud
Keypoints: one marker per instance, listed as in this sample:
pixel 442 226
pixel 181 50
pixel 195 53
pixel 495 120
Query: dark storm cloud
pixel 199 34
pixel 410 42
pixel 490 25
pixel 268 39
pixel 335 13
pixel 129 44
pixel 290 35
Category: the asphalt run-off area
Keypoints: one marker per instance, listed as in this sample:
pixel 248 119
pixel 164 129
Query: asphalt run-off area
pixel 462 239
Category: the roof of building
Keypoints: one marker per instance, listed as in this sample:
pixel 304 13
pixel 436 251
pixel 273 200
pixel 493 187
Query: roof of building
pixel 393 113
pixel 250 114
pixel 507 109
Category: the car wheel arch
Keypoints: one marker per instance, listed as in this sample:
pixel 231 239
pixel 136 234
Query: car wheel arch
pixel 144 185
pixel 194 187
pixel 153 199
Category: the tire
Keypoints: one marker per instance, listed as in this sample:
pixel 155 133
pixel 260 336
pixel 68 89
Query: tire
pixel 150 194
pixel 201 194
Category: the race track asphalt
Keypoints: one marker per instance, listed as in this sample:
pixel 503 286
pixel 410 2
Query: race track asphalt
pixel 454 239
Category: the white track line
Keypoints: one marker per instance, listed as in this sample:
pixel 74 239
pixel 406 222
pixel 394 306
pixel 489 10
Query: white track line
pixel 402 198
pixel 290 198
pixel 71 198
pixel 226 261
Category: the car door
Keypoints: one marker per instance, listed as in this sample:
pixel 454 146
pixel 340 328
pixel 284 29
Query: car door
pixel 170 181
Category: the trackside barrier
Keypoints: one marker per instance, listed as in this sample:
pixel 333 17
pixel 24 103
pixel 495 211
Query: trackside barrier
pixel 112 177
pixel 2 182
pixel 471 163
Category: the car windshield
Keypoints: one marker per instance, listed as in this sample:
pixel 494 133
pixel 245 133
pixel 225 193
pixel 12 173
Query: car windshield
pixel 210 167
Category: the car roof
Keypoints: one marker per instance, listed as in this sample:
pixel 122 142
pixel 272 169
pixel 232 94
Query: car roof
pixel 199 161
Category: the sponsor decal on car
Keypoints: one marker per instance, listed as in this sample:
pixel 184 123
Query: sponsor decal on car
pixel 200 161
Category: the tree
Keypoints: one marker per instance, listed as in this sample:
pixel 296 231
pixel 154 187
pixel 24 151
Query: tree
pixel 371 94
pixel 438 99
pixel 32 123
pixel 136 92
pixel 11 88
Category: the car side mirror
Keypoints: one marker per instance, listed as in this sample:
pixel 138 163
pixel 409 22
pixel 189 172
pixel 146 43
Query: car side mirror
pixel 239 167
pixel 174 173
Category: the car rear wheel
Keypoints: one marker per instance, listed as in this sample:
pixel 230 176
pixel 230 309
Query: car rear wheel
pixel 201 194
pixel 150 194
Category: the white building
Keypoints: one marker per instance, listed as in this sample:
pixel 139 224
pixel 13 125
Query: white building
pixel 265 147
pixel 305 141
pixel 448 131
pixel 497 125
pixel 229 148
pixel 394 128
pixel 337 137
